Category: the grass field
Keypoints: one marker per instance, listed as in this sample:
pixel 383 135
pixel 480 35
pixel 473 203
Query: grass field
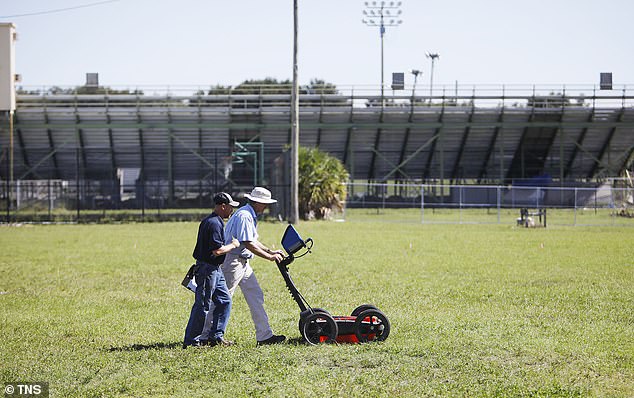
pixel 476 310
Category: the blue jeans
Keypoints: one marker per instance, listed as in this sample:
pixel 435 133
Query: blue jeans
pixel 212 287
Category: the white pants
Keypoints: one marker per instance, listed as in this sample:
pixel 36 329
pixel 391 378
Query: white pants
pixel 238 272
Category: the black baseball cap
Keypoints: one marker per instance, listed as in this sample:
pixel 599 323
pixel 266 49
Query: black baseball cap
pixel 225 198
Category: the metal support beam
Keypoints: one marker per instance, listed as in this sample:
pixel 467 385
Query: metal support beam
pixel 142 174
pixel 501 146
pixel 394 169
pixel 432 151
pixel 401 156
pixel 410 157
pixel 80 138
pixel 321 121
pixel 578 143
pixel 345 125
pixel 463 144
pixel 170 162
pixel 531 118
pixel 496 131
pixel 605 147
pixel 25 157
pixel 51 146
pixel 346 146
pixel 349 130
pixel 371 169
pixel 562 138
pixel 200 152
pixel 113 159
pixel 82 149
pixel 561 134
pixel 629 159
pixel 408 131
pixel 377 140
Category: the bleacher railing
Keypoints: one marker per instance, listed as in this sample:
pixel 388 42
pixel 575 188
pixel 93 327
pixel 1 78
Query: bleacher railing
pixel 357 96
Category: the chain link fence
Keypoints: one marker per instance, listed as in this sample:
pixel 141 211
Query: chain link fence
pixel 105 201
pixel 603 204
pixel 610 203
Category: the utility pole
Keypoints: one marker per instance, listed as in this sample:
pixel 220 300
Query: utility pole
pixel 294 216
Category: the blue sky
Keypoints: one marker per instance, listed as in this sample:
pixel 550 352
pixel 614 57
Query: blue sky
pixel 209 42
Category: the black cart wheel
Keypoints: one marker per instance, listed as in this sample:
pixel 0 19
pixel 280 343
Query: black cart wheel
pixel 304 314
pixel 319 328
pixel 371 325
pixel 362 308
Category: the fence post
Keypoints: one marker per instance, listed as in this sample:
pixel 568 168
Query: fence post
pixel 77 183
pixel 422 204
pixel 460 202
pixel 50 199
pixel 575 210
pixel 17 195
pixel 499 199
pixel 383 193
pixel 8 201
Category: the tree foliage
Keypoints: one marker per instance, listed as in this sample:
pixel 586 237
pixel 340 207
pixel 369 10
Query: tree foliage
pixel 322 183
pixel 271 85
pixel 78 90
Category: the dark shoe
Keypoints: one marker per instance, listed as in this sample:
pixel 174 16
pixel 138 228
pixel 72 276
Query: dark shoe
pixel 221 341
pixel 272 340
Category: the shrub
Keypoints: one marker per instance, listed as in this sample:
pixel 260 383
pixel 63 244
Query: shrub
pixel 322 183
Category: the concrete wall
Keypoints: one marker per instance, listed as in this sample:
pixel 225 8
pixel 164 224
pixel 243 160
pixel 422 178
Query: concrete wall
pixel 7 67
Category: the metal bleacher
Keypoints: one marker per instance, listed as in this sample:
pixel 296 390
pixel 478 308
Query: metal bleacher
pixel 493 135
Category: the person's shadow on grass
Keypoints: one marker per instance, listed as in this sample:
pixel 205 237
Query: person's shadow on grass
pixel 168 346
pixel 153 346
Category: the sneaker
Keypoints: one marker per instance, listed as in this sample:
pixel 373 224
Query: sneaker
pixel 272 340
pixel 195 343
pixel 221 341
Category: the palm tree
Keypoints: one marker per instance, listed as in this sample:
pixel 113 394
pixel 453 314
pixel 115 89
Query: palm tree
pixel 322 184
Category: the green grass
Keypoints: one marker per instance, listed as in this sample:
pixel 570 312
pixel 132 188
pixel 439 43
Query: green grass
pixel 476 310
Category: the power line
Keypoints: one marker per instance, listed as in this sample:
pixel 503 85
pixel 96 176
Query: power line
pixel 57 10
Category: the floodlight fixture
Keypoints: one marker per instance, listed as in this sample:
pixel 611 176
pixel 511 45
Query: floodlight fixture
pixel 376 14
pixel 433 57
pixel 415 72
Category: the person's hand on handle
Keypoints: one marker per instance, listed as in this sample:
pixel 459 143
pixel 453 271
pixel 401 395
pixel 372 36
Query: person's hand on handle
pixel 276 256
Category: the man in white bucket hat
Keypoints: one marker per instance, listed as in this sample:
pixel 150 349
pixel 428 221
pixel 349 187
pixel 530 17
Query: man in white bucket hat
pixel 236 268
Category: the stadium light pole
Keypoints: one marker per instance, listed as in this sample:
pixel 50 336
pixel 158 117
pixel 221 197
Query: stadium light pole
pixel 433 57
pixel 415 72
pixel 294 216
pixel 382 14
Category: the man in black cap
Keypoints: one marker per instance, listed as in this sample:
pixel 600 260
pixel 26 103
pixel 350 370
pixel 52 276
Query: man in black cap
pixel 211 285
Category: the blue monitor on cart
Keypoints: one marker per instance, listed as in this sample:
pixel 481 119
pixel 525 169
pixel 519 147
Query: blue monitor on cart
pixel 291 241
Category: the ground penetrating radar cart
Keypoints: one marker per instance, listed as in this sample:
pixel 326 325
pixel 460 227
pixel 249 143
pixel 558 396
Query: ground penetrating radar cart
pixel 366 323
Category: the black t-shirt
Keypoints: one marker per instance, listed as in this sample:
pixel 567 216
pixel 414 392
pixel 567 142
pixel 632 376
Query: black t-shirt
pixel 211 236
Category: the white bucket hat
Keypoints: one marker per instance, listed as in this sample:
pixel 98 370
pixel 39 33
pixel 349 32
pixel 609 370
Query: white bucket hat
pixel 260 195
